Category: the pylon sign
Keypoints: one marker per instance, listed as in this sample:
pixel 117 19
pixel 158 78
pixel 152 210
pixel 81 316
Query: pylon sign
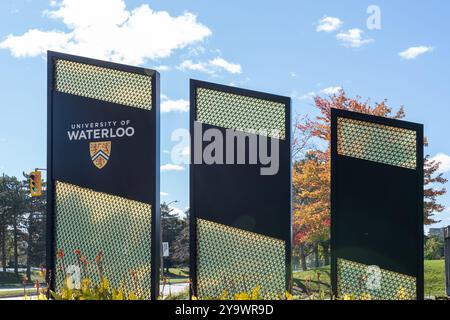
pixel 240 191
pixel 376 207
pixel 103 178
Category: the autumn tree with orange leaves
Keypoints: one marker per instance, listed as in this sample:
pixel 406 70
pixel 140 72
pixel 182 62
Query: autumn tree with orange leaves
pixel 311 174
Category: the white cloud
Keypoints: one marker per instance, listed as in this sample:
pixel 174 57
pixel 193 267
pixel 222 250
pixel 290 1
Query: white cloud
pixel 163 194
pixel 180 105
pixel 329 24
pixel 293 74
pixel 176 211
pixel 326 91
pixel 353 38
pixel 171 167
pixel 331 90
pixel 190 65
pixel 211 67
pixel 162 68
pixel 413 52
pixel 227 66
pixel 105 29
pixel 444 159
pixel 3 139
pixel 307 96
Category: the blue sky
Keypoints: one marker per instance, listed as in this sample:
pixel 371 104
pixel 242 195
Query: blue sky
pixel 292 48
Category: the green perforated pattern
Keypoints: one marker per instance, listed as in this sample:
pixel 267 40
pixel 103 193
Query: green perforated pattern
pixel 359 280
pixel 241 113
pixel 126 88
pixel 375 142
pixel 91 222
pixel 238 261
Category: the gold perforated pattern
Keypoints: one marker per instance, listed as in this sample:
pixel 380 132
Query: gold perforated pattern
pixel 358 280
pixel 375 142
pixel 125 88
pixel 91 222
pixel 238 261
pixel 242 113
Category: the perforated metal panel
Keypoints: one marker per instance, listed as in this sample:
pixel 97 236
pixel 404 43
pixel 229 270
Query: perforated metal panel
pixel 238 261
pixel 375 142
pixel 126 88
pixel 92 221
pixel 239 112
pixel 358 279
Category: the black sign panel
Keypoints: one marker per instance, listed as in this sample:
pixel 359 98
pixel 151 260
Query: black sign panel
pixel 103 170
pixel 80 121
pixel 376 207
pixel 240 218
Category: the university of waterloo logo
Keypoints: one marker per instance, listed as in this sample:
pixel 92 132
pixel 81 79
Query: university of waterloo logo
pixel 100 153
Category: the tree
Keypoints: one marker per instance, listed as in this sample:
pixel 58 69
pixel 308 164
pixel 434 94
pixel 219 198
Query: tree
pixel 22 225
pixel 312 168
pixel 13 203
pixel 311 185
pixel 180 246
pixel 434 248
pixel 171 226
pixel 4 220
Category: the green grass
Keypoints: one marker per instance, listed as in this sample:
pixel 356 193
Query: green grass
pixel 434 279
pixel 15 293
pixel 307 282
pixel 178 275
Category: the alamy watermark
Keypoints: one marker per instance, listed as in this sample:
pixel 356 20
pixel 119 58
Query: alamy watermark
pixel 217 147
pixel 374 20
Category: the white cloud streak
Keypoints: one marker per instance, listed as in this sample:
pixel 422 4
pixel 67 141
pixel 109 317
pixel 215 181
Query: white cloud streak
pixel 329 24
pixel 353 38
pixel 211 67
pixel 444 159
pixel 179 105
pixel 414 52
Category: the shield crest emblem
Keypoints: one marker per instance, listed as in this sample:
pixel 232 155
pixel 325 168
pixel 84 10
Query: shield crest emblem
pixel 100 153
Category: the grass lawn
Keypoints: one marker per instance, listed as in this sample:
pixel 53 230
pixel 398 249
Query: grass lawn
pixel 178 275
pixel 308 281
pixel 434 279
pixel 15 293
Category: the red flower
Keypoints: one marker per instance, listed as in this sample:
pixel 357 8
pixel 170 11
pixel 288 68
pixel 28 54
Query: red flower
pixel 60 254
pixel 77 252
pixel 99 257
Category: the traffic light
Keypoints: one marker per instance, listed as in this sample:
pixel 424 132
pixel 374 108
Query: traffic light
pixel 35 184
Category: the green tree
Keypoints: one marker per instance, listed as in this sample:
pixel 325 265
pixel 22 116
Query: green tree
pixel 181 244
pixel 13 204
pixel 434 248
pixel 171 226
